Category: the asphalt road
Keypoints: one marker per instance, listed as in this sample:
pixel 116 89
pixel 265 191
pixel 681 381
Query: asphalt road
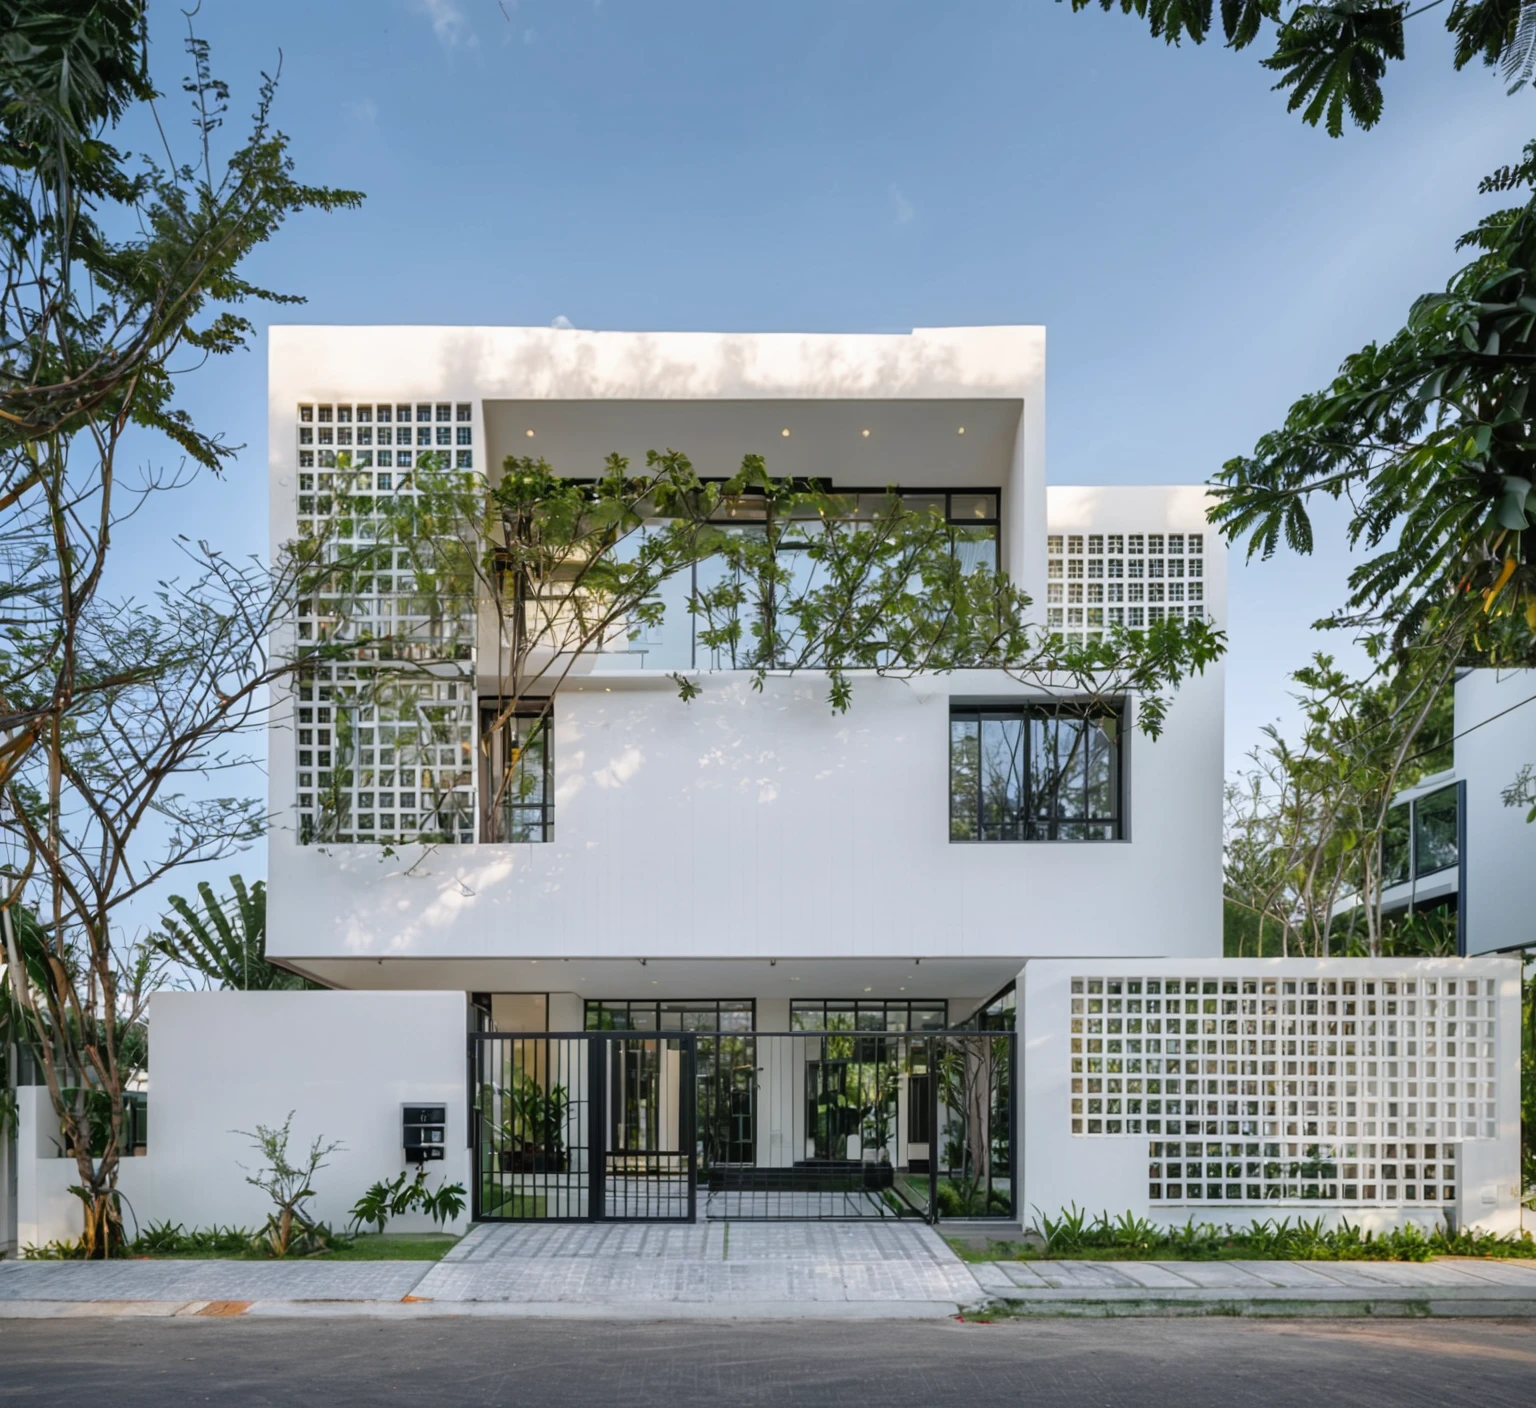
pixel 852 1364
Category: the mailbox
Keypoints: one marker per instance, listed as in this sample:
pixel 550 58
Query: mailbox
pixel 426 1132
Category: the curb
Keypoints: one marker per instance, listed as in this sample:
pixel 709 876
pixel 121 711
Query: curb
pixel 1436 1303
pixel 494 1310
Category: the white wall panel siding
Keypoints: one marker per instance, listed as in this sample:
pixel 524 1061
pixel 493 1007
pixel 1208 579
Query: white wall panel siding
pixel 746 824
pixel 343 1062
pixel 1496 737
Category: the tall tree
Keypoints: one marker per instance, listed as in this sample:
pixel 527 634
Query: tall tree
pixel 1308 821
pixel 114 263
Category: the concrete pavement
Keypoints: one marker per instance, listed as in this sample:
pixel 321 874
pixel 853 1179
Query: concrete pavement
pixel 756 1270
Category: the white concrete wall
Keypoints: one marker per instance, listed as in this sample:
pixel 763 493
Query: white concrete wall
pixel 1109 1173
pixel 748 824
pixel 1498 905
pixel 344 1063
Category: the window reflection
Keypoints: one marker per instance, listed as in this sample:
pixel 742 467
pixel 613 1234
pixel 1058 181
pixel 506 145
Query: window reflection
pixel 1035 773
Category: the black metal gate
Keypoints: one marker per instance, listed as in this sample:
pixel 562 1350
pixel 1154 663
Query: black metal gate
pixel 584 1127
pixel 663 1126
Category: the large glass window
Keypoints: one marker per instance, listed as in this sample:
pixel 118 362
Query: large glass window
pixel 1420 837
pixel 517 791
pixel 1034 773
pixel 1434 832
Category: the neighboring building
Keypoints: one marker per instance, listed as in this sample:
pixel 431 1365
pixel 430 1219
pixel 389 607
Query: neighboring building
pixel 748 861
pixel 1459 840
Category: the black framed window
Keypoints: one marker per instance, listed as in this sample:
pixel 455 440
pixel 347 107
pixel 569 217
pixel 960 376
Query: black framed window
pixel 1037 772
pixel 517 779
pixel 868 1015
pixel 683 1015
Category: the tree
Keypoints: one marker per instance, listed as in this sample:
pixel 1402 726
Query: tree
pixel 1429 437
pixel 105 703
pixel 226 941
pixel 90 320
pixel 1331 58
pixel 778 577
pixel 1307 823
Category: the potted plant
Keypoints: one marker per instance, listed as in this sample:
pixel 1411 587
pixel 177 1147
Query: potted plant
pixel 533 1127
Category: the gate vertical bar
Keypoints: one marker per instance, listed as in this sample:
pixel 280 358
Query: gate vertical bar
pixel 690 1120
pixel 1015 1126
pixel 934 1142
pixel 597 1127
pixel 472 1062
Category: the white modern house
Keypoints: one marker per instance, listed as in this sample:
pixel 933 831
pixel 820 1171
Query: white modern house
pixel 753 958
pixel 751 861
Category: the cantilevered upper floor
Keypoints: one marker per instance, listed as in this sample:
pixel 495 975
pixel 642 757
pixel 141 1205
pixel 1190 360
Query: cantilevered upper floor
pixel 961 814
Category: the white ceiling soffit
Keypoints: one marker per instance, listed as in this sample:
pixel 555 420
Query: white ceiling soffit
pixel 915 444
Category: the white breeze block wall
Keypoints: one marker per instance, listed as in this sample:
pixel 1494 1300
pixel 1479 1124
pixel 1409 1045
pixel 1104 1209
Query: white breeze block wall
pixel 343 1062
pixel 1383 1091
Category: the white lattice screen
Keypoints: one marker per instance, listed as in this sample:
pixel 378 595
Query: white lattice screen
pixel 381 755
pixel 1098 580
pixel 1314 1089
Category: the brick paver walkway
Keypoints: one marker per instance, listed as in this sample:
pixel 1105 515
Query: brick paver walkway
pixel 768 1263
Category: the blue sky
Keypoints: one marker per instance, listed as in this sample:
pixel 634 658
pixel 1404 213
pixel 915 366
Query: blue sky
pixel 1199 257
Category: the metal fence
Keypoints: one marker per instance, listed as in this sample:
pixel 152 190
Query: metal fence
pixel 819 1125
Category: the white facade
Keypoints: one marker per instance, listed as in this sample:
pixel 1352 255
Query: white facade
pixel 756 845
pixel 1495 738
pixel 342 1063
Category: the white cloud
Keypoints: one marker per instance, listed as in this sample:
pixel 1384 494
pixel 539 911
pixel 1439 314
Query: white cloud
pixel 448 22
pixel 363 111
pixel 904 209
pixel 561 321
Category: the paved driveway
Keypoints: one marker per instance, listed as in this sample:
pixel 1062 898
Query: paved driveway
pixel 769 1265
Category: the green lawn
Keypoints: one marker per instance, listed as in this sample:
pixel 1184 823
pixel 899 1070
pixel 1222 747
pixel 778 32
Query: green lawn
pixel 1245 1249
pixel 391 1246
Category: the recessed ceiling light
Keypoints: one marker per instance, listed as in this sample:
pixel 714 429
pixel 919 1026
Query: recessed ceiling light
pixel 785 432
pixel 868 989
pixel 865 432
pixel 529 434
pixel 961 431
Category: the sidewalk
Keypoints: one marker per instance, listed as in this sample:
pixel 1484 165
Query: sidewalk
pixel 1453 1287
pixel 628 1271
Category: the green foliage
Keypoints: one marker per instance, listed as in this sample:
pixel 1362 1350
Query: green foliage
pixel 393 1198
pixel 782 577
pixel 121 269
pixel 226 941
pixel 1073 1233
pixel 1332 58
pixel 532 1118
pixel 289 1182
pixel 1304 864
pixel 1428 436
